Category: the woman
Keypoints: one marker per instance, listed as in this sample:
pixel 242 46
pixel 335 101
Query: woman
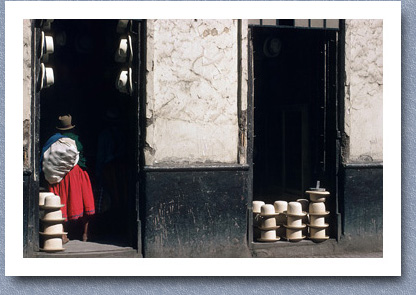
pixel 75 187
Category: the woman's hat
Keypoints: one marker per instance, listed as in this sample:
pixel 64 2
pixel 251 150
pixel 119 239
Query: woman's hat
pixel 65 123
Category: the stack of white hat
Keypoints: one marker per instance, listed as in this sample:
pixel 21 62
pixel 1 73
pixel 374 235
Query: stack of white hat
pixel 317 213
pixel 305 219
pixel 294 224
pixel 280 207
pixel 256 218
pixel 268 226
pixel 52 220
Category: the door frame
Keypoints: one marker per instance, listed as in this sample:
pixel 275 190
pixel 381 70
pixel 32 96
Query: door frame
pixel 338 106
pixel 31 195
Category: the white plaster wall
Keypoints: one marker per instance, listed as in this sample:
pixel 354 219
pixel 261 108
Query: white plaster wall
pixel 364 89
pixel 192 83
pixel 27 39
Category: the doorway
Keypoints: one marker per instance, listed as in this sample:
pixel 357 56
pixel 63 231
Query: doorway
pixel 295 114
pixel 106 120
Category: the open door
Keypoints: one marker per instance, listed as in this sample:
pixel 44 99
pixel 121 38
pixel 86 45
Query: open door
pixel 96 72
pixel 295 114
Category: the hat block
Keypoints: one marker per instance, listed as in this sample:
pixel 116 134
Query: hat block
pixel 269 240
pixel 268 236
pixel 52 244
pixel 319 240
pixel 268 210
pixel 257 206
pixel 294 239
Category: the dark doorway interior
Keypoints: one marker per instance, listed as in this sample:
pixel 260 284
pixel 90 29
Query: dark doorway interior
pixel 294 117
pixel 85 74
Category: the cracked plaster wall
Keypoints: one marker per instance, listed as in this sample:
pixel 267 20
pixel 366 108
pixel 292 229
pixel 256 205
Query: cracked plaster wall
pixel 364 89
pixel 192 83
pixel 27 39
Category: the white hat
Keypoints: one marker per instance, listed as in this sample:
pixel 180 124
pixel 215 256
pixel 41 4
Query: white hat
pixel 124 82
pixel 42 196
pixel 267 210
pixel 317 220
pixel 317 209
pixel 47 77
pixel 268 236
pixel 47 44
pixel 294 221
pixel 269 224
pixel 122 50
pixel 280 206
pixel 317 196
pixel 52 244
pixel 318 234
pixel 53 216
pixel 295 209
pixel 257 206
pixel 304 203
pixel 52 202
pixel 294 235
pixel 53 230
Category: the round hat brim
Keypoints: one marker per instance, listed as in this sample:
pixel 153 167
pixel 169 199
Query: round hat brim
pixel 53 234
pixel 269 214
pixel 52 250
pixel 294 227
pixel 268 240
pixel 268 228
pixel 65 128
pixel 319 226
pixel 317 192
pixel 296 214
pixel 53 220
pixel 319 239
pixel 295 240
pixel 319 213
pixel 46 207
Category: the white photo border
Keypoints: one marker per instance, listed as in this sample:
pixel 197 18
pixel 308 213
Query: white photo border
pixel 17 11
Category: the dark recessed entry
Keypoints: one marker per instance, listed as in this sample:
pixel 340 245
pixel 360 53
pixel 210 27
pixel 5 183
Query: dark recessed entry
pixel 294 113
pixel 85 73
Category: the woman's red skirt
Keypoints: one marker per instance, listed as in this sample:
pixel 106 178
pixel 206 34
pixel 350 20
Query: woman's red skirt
pixel 76 194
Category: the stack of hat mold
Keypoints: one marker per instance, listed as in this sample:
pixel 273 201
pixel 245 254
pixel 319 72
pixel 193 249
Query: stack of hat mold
pixel 52 223
pixel 256 218
pixel 42 196
pixel 317 214
pixel 268 226
pixel 280 207
pixel 294 224
pixel 305 219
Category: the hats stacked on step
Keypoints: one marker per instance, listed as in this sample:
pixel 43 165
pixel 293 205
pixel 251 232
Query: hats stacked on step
pixel 257 220
pixel 268 226
pixel 280 207
pixel 317 213
pixel 52 222
pixel 295 226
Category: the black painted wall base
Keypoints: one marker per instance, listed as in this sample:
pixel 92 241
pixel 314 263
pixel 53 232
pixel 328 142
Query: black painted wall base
pixel 203 213
pixel 362 208
pixel 196 214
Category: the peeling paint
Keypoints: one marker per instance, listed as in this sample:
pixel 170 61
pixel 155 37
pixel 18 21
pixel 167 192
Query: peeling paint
pixel 192 99
pixel 364 89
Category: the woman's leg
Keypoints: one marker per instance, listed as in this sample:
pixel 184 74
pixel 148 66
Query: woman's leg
pixel 86 221
pixel 64 236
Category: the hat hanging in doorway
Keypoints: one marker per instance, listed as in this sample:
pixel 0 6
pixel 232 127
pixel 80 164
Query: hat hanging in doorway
pixel 65 122
pixel 272 47
pixel 124 82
